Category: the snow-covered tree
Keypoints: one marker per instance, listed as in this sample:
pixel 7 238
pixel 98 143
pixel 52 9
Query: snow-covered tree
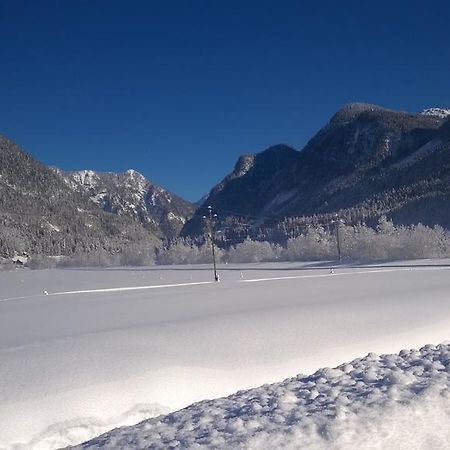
pixel 252 251
pixel 315 244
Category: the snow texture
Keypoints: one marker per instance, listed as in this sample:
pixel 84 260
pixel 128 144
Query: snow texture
pixel 86 178
pixel 110 347
pixel 441 113
pixel 386 402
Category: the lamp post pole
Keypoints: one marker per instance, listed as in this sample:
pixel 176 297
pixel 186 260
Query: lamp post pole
pixel 210 222
pixel 338 222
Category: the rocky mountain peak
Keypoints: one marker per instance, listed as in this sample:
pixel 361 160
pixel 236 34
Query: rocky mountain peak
pixel 441 113
pixel 130 194
pixel 134 175
pixel 243 165
pixel 352 110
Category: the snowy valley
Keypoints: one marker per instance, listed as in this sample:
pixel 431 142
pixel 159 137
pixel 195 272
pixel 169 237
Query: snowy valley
pixel 224 225
pixel 104 348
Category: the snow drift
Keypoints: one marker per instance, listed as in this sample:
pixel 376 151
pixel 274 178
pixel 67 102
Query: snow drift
pixel 386 402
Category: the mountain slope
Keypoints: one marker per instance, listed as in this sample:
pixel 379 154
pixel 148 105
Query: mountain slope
pixel 40 213
pixel 363 152
pixel 366 162
pixel 250 187
pixel 130 194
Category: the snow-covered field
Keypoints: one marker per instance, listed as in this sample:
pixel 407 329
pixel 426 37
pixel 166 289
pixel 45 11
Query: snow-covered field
pixel 92 355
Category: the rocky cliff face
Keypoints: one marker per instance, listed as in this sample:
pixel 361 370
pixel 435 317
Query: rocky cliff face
pixel 131 195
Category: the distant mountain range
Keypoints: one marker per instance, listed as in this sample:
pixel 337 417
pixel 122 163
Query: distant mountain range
pixel 366 162
pixel 45 210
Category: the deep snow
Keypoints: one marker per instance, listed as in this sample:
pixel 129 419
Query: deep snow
pixel 390 402
pixel 73 365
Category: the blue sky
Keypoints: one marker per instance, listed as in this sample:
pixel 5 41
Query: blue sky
pixel 179 89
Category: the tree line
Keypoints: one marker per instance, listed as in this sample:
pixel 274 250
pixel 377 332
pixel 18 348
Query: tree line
pixel 358 243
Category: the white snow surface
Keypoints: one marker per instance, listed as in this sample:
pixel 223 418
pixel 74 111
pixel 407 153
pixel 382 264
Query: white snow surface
pixel 112 347
pixel 441 113
pixel 86 178
pixel 386 402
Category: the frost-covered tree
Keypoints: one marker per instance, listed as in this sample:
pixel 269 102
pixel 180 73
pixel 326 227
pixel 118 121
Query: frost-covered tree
pixel 387 241
pixel 315 244
pixel 183 251
pixel 252 251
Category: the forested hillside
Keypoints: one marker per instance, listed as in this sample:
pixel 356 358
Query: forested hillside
pixel 41 214
pixel 367 162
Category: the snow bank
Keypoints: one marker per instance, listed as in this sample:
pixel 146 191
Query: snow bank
pixel 83 428
pixel 387 402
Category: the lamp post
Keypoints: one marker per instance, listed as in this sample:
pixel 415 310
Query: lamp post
pixel 210 219
pixel 337 221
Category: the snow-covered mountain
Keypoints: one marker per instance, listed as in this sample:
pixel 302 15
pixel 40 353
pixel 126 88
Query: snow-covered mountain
pixel 436 112
pixel 366 162
pixel 48 211
pixel 42 214
pixel 389 401
pixel 131 194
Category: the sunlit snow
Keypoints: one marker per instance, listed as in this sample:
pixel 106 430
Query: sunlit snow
pixel 389 402
pixel 111 347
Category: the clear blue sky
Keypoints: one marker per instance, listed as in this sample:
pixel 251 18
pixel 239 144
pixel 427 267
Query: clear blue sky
pixel 179 89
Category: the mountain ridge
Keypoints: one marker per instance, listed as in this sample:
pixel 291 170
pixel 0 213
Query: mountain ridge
pixel 367 161
pixel 42 212
pixel 129 193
